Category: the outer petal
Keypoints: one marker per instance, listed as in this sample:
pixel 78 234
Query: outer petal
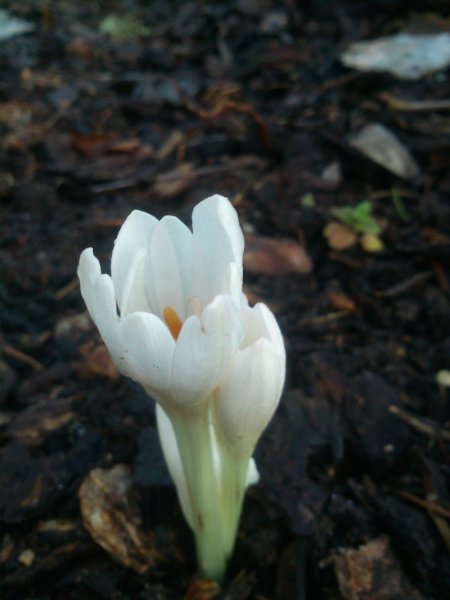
pixel 205 350
pixel 88 272
pixel 98 293
pixel 248 398
pixel 148 346
pixel 173 460
pixel 169 267
pixel 134 234
pixel 218 242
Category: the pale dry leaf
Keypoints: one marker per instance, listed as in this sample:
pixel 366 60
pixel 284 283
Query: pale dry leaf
pixel 340 236
pixel 266 256
pixel 171 184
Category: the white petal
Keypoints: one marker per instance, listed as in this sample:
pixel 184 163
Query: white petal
pixel 259 322
pixel 218 242
pixel 169 267
pixel 205 349
pixel 88 272
pixel 134 235
pixel 248 398
pixel 98 293
pixel 134 298
pixel 148 347
pixel 173 461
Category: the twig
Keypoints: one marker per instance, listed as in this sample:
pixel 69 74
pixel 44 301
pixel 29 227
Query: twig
pixel 405 285
pixel 67 289
pixel 418 425
pixel 318 320
pixel 427 504
pixel 395 103
pixel 22 357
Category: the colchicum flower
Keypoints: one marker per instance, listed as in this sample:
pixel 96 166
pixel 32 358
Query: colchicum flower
pixel 174 318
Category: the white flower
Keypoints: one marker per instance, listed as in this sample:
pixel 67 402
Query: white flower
pixel 174 318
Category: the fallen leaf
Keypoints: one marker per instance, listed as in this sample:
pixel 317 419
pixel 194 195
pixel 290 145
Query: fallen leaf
pixel 340 236
pixel 372 571
pixel 340 301
pixel 34 424
pixel 172 183
pixel 266 256
pixel 26 557
pixel 370 242
pixel 403 55
pixel 379 144
pixel 93 145
pixel 112 517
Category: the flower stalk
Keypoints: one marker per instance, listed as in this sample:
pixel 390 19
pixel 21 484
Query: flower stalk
pixel 175 319
pixel 193 437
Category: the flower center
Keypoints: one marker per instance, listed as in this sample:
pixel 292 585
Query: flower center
pixel 173 321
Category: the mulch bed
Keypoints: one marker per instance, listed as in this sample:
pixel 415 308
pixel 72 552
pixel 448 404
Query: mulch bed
pixel 247 99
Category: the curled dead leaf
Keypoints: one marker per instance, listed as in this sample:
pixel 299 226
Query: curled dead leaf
pixel 112 517
pixel 266 256
pixel 170 184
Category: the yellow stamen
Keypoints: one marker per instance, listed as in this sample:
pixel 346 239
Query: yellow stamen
pixel 173 321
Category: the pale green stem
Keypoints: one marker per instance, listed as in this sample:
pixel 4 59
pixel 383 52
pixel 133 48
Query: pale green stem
pixel 193 436
pixel 234 474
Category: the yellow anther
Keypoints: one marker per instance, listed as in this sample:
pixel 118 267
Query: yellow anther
pixel 173 321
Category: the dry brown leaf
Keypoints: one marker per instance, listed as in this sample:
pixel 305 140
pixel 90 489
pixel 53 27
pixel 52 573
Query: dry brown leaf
pixel 340 236
pixel 266 256
pixel 34 424
pixel 202 589
pixel 170 184
pixel 340 301
pixel 372 571
pixel 97 361
pixel 112 517
pixel 93 145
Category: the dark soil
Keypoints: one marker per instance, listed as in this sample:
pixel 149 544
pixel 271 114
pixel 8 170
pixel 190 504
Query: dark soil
pixel 247 99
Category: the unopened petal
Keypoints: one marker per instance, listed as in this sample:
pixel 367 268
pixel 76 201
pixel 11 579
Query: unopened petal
pixel 205 349
pixel 172 455
pixel 148 347
pixel 248 398
pixel 218 241
pixel 260 322
pixel 134 235
pixel 169 267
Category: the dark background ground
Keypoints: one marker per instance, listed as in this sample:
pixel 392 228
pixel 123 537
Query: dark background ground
pixel 219 97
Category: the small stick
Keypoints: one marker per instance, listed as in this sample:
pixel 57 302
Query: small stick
pixel 427 504
pixel 419 425
pixel 22 357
